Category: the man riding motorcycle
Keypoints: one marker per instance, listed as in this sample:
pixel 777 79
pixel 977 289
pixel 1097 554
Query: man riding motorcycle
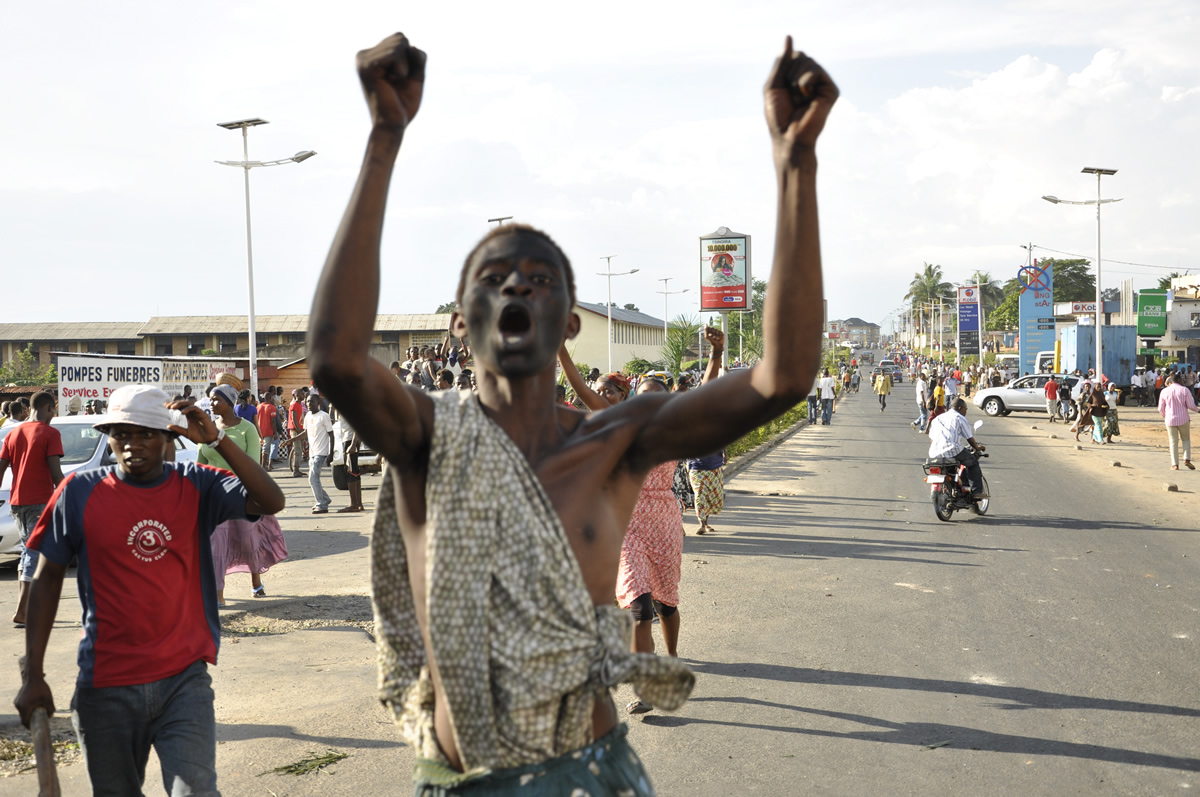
pixel 950 437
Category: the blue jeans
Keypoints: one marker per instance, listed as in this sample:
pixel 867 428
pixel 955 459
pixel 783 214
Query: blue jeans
pixel 923 417
pixel 315 463
pixel 117 726
pixel 826 411
pixel 27 517
pixel 812 409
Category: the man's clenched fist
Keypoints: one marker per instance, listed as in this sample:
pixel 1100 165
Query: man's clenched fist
pixel 393 78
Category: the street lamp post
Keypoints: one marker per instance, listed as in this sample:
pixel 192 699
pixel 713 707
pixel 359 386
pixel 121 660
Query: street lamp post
pixel 1099 295
pixel 610 274
pixel 665 294
pixel 500 220
pixel 246 165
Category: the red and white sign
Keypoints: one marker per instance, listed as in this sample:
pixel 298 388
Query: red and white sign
pixel 968 295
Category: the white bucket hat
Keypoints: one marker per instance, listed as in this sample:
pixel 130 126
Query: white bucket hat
pixel 137 405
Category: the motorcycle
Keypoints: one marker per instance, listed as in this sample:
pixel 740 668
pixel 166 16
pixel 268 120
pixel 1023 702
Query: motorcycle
pixel 947 480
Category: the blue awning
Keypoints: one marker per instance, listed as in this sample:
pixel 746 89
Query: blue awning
pixel 1186 334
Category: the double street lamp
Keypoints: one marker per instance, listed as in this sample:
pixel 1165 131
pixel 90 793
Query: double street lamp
pixel 666 294
pixel 246 165
pixel 1099 296
pixel 610 274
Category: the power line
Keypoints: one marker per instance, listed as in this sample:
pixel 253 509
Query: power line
pixel 1107 259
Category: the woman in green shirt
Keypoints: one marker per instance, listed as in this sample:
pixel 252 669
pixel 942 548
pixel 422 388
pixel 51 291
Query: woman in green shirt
pixel 240 546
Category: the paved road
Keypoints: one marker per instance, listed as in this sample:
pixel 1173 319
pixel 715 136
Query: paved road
pixel 839 632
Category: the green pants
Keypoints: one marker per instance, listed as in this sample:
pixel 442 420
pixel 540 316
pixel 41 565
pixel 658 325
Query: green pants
pixel 607 767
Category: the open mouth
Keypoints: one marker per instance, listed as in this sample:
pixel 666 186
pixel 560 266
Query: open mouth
pixel 515 323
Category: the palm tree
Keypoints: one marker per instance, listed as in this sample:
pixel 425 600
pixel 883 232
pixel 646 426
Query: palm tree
pixel 928 286
pixel 990 289
pixel 681 334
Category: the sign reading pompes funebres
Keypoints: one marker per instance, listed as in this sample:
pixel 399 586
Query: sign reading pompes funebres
pixel 724 271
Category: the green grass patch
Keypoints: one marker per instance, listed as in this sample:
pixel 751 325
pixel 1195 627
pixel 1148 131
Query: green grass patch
pixel 313 762
pixel 767 431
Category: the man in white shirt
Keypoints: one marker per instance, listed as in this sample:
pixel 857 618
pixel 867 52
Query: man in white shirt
pixel 827 396
pixel 950 436
pixel 319 429
pixel 1135 384
pixel 922 386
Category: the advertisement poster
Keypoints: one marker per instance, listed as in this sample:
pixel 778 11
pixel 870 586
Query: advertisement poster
pixel 1036 309
pixel 724 271
pixel 968 322
pixel 197 373
pixel 1152 314
pixel 89 378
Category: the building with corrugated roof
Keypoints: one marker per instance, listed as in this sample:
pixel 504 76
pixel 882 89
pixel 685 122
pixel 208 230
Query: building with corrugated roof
pixel 635 334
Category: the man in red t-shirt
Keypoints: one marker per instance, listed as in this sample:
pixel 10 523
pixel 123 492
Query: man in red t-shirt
pixel 141 531
pixel 34 452
pixel 1052 399
pixel 266 428
pixel 295 426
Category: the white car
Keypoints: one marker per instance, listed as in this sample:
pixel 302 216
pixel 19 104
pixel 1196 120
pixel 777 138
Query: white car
pixel 1026 394
pixel 84 448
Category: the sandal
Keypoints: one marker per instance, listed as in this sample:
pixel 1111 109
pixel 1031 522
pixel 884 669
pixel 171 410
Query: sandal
pixel 258 592
pixel 319 511
pixel 638 707
pixel 1187 464
pixel 350 509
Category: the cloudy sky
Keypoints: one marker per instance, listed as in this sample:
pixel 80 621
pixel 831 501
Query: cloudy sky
pixel 629 130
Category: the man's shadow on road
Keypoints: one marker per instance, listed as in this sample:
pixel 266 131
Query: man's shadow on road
pixel 930 733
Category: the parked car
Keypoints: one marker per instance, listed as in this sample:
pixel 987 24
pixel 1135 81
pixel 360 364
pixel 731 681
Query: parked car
pixel 1027 394
pixel 84 448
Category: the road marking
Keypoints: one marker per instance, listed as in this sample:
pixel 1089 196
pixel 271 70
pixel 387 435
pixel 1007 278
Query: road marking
pixel 990 680
pixel 914 586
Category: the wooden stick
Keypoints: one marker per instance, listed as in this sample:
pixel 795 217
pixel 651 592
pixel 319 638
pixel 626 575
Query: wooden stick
pixel 43 748
pixel 43 751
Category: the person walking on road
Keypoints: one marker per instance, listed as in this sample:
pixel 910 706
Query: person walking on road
pixel 814 401
pixel 883 387
pixel 921 385
pixel 34 451
pixel 240 546
pixel 1052 398
pixel 139 531
pixel 319 430
pixel 1174 404
pixel 828 394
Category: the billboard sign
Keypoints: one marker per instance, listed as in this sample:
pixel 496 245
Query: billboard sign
pixel 197 373
pixel 1152 314
pixel 968 295
pixel 968 328
pixel 90 378
pixel 1036 310
pixel 725 282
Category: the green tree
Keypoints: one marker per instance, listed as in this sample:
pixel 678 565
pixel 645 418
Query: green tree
pixel 749 339
pixel 639 365
pixel 1164 283
pixel 23 369
pixel 681 333
pixel 633 307
pixel 446 307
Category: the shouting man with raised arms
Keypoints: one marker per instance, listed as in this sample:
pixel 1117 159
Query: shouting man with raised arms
pixel 499 526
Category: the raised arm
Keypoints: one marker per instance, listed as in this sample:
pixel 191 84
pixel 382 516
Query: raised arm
pixel 716 339
pixel 395 419
pixel 263 496
pixel 590 398
pixel 798 97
